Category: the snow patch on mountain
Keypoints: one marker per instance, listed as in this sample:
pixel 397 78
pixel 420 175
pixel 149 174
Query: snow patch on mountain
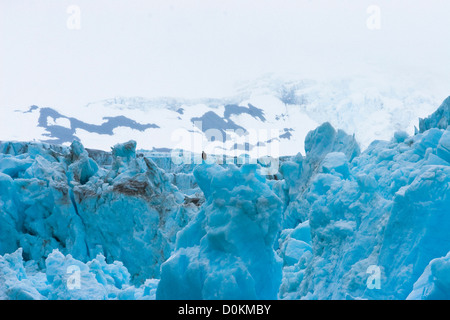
pixel 271 111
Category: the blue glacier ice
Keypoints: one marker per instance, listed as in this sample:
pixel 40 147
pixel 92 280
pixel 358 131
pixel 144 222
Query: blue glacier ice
pixel 78 223
pixel 387 207
pixel 98 280
pixel 60 198
pixel 226 251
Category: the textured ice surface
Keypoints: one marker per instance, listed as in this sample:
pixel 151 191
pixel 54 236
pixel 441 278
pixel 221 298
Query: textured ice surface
pixel 388 207
pixel 439 119
pixel 434 283
pixel 137 226
pixel 97 280
pixel 61 199
pixel 226 252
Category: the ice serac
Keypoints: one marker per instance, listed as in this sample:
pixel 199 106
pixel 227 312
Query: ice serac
pixel 434 283
pixel 226 251
pixel 387 207
pixel 326 149
pixel 66 278
pixel 60 198
pixel 130 212
pixel 439 119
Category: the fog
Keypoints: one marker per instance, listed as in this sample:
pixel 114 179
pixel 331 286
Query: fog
pixel 52 56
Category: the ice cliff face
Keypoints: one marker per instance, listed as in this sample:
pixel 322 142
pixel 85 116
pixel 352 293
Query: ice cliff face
pixel 439 119
pixel 60 198
pixel 226 251
pixel 388 207
pixel 132 225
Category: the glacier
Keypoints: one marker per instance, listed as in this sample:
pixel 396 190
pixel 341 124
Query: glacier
pixel 226 252
pixel 79 223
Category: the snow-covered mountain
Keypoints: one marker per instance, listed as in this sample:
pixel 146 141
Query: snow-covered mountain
pixel 266 116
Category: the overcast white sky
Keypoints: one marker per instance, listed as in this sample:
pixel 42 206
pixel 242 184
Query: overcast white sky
pixel 197 48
